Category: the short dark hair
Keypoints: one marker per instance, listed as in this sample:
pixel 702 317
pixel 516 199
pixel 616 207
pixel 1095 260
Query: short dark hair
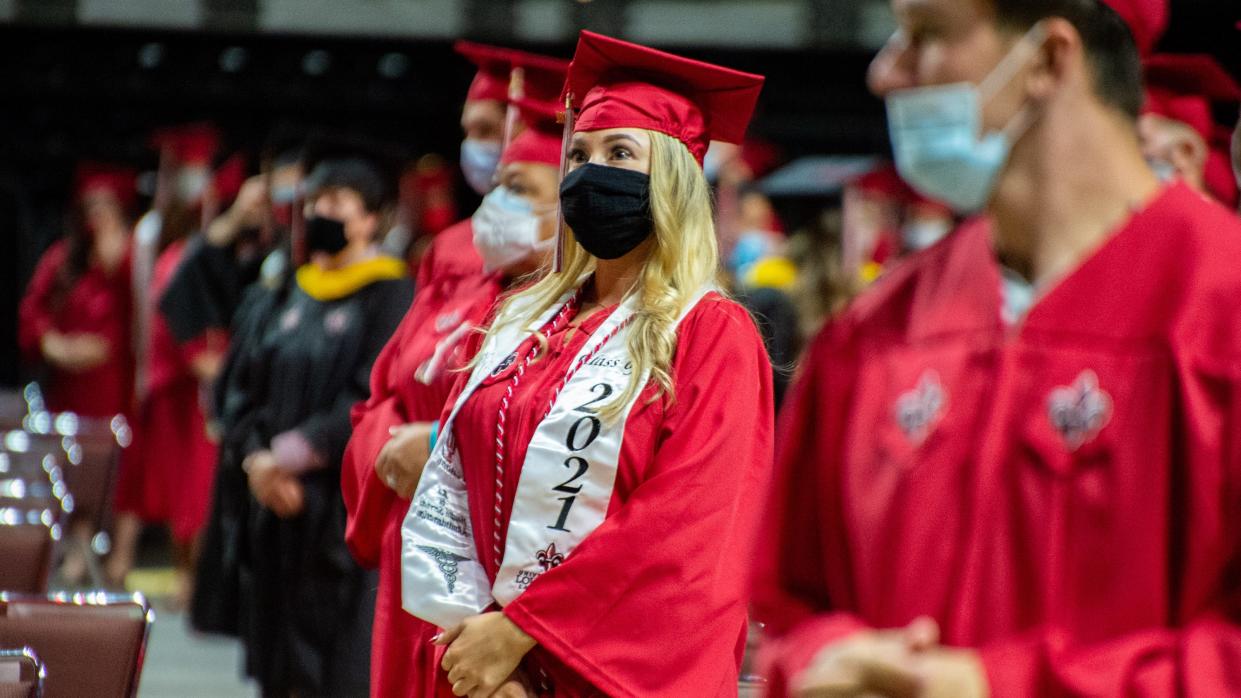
pixel 357 174
pixel 1109 44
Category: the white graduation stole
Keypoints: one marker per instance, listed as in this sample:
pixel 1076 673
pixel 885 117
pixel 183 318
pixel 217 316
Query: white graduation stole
pixel 562 495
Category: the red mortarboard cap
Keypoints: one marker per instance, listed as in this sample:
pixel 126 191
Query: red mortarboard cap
pixel 120 181
pixel 229 177
pixel 1147 20
pixel 616 84
pixel 543 76
pixel 542 139
pixel 194 144
pixel 1182 88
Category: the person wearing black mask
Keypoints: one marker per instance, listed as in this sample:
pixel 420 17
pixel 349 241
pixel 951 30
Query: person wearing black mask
pixel 305 605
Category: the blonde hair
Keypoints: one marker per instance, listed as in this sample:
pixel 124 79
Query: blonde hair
pixel 683 259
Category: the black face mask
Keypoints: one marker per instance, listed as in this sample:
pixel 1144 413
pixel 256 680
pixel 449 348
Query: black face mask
pixel 608 208
pixel 325 235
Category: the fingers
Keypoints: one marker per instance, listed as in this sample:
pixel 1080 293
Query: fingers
pixel 922 634
pixel 447 637
pixel 462 688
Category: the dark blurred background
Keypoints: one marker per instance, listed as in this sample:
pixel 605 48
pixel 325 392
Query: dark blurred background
pixel 90 79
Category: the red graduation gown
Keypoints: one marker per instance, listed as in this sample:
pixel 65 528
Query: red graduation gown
pixel 435 329
pixel 451 254
pixel 651 603
pixel 1062 496
pixel 169 478
pixel 97 303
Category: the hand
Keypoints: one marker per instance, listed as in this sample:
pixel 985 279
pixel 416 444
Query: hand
pixel 899 663
pixel 247 211
pixel 876 663
pixel 274 488
pixel 401 460
pixel 76 353
pixel 483 652
pixel 206 365
pixel 516 686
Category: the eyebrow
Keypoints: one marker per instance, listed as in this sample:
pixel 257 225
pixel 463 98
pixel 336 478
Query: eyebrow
pixel 621 137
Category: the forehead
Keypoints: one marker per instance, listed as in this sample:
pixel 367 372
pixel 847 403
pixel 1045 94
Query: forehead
pixel 606 135
pixel 481 109
pixel 943 10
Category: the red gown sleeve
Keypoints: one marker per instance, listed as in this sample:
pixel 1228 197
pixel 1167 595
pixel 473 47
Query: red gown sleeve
pixel 790 595
pixel 1198 653
pixel 367 500
pixel 652 603
pixel 35 315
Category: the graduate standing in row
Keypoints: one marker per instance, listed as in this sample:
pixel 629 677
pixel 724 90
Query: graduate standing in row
pixel 513 231
pixel 1180 135
pixel 583 525
pixel 75 316
pixel 1011 467
pixel 305 605
pixel 485 119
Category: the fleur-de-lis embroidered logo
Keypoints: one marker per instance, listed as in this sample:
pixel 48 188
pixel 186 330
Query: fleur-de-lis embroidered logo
pixel 447 321
pixel 336 321
pixel 548 557
pixel 290 319
pixel 918 411
pixel 446 562
pixel 1078 412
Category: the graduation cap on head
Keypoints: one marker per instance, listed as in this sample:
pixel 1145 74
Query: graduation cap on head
pixel 1147 20
pixel 119 181
pixel 541 141
pixel 1184 88
pixel 617 84
pixel 541 77
pixel 192 144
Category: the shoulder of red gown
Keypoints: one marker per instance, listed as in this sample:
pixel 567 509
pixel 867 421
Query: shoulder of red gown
pixel 450 254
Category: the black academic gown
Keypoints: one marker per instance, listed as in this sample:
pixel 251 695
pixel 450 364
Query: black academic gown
pixel 305 606
pixel 216 606
pixel 208 288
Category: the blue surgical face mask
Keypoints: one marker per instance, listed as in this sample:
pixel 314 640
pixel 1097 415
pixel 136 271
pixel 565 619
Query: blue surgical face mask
pixel 937 138
pixel 479 160
pixel 507 229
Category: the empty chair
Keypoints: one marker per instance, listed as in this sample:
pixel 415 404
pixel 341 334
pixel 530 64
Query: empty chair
pixel 34 481
pixel 27 547
pixel 91 451
pixel 21 673
pixel 92 644
pixel 13 406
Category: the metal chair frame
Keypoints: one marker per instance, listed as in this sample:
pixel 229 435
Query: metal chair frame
pixel 98 598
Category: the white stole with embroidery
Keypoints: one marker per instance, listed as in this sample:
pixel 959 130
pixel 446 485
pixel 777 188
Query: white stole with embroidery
pixel 562 495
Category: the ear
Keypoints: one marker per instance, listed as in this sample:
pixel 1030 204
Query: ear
pixel 1189 153
pixel 368 226
pixel 1061 60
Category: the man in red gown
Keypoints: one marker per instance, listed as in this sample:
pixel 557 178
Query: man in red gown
pixel 1012 467
pixel 451 256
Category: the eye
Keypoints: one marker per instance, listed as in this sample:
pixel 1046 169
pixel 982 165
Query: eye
pixel 622 153
pixel 517 188
pixel 577 156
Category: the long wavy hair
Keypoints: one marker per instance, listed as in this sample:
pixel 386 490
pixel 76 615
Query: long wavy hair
pixel 682 260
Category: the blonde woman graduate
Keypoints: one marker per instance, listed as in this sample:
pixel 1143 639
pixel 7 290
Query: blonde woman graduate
pixel 584 523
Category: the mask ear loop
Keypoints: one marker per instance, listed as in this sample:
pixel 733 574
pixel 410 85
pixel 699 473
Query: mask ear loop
pixel 566 139
pixel 1018 56
pixel 1027 46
